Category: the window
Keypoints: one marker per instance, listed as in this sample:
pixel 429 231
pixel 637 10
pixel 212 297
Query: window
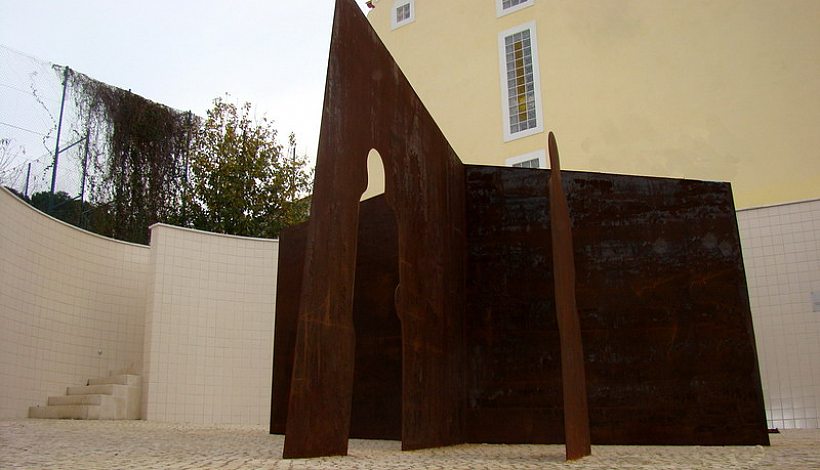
pixel 404 12
pixel 527 164
pixel 520 90
pixel 530 160
pixel 505 7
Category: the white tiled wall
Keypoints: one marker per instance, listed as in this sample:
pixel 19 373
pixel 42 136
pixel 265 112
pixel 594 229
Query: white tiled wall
pixel 72 306
pixel 781 254
pixel 209 328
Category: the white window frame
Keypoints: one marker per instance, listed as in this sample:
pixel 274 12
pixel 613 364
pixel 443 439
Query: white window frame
pixel 541 155
pixel 501 11
pixel 505 96
pixel 394 23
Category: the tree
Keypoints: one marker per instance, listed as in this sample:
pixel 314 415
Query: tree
pixel 149 163
pixel 89 216
pixel 65 207
pixel 241 182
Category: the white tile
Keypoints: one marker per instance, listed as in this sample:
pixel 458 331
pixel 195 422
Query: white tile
pixel 67 280
pixel 782 307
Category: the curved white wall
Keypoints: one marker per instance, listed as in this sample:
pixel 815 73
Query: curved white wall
pixel 72 306
pixel 209 327
pixel 193 314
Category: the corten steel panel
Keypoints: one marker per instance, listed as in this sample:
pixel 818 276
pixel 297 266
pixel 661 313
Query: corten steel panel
pixel 666 326
pixel 376 410
pixel 288 288
pixel 666 311
pixel 514 365
pixel 370 104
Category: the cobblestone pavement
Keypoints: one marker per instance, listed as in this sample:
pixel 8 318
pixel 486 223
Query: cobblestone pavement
pixel 87 445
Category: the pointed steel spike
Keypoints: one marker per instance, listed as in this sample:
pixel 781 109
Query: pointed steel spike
pixel 576 412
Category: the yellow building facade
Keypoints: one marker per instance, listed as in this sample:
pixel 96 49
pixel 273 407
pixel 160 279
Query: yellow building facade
pixel 724 90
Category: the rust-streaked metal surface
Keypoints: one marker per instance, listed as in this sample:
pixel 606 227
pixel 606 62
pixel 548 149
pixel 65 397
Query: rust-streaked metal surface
pixel 667 326
pixel 288 287
pixel 664 315
pixel 669 348
pixel 576 415
pixel 376 412
pixel 665 320
pixel 376 401
pixel 370 104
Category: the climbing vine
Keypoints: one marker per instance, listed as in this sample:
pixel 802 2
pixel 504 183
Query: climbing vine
pixel 139 156
pixel 149 163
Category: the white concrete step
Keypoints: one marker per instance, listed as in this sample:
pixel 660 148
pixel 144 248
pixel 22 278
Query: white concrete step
pixel 77 400
pixel 114 397
pixel 121 379
pixel 105 389
pixel 65 412
pixel 82 407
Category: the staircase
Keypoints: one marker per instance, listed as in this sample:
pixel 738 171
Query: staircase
pixel 114 397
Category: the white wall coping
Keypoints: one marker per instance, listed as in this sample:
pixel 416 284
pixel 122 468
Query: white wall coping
pixel 779 204
pixel 73 227
pixel 204 232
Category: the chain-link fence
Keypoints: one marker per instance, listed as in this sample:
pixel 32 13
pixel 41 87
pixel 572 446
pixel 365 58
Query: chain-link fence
pixel 31 94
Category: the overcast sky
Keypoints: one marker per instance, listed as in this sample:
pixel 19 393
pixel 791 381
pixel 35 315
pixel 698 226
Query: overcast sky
pixel 185 53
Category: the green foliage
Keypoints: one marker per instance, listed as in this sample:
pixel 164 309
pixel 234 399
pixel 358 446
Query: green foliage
pixel 73 211
pixel 241 181
pixel 64 207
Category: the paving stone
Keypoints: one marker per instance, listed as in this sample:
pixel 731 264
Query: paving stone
pixel 67 444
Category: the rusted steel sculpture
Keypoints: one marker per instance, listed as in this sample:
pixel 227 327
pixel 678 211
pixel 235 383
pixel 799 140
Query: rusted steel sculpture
pixel 370 104
pixel 576 414
pixel 441 292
